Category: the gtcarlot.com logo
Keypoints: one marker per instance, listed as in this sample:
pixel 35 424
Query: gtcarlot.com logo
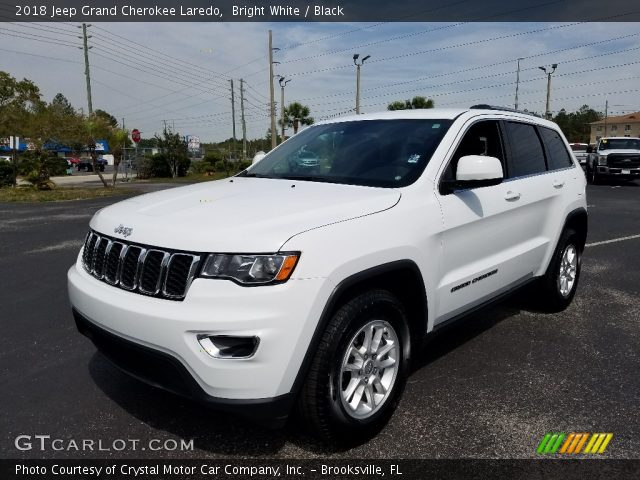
pixel 46 442
pixel 574 443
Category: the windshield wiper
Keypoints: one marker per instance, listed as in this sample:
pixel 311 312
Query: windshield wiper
pixel 245 173
pixel 309 178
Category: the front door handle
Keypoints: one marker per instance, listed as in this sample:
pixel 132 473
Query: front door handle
pixel 558 184
pixel 511 196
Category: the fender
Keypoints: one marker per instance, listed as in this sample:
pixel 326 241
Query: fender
pixel 337 295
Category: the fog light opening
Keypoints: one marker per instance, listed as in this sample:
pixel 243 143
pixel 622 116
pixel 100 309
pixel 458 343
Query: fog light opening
pixel 225 346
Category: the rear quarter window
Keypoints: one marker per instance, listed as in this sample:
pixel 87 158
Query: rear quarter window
pixel 558 156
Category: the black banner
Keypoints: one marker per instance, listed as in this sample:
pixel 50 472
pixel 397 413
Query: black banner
pixel 317 469
pixel 319 11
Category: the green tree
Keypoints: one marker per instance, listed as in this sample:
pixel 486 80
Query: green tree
pixel 575 125
pixel 48 125
pixel 17 99
pixel 107 117
pixel 63 105
pixel 174 149
pixel 295 115
pixel 118 140
pixel 415 103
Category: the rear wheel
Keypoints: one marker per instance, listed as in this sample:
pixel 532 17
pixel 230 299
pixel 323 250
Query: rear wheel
pixel 359 371
pixel 559 284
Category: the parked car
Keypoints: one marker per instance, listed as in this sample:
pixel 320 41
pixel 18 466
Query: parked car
pixel 580 152
pixel 614 157
pixel 5 158
pixel 407 221
pixel 73 160
pixel 85 164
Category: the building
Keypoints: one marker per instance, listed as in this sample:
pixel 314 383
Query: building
pixel 621 126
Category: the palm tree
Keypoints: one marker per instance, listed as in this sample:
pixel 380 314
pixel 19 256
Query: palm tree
pixel 297 114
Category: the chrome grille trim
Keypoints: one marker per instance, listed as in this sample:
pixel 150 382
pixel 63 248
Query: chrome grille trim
pixel 195 259
pixel 97 261
pixel 163 266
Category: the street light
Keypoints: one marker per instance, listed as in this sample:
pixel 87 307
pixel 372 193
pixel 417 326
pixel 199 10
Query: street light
pixel 283 83
pixel 358 65
pixel 547 113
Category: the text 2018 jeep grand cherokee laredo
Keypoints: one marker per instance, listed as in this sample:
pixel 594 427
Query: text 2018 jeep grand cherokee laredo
pixel 310 279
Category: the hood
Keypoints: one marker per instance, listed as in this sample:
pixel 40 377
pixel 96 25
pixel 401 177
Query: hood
pixel 252 215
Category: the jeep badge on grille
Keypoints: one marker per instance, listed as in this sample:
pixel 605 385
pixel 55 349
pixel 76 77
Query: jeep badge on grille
pixel 125 231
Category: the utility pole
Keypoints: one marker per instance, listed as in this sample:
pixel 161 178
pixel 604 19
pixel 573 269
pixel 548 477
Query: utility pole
pixel 606 114
pixel 274 132
pixel 86 64
pixel 547 113
pixel 358 65
pixel 244 125
pixel 233 119
pixel 517 82
pixel 283 83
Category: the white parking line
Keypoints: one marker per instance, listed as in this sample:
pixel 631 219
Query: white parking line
pixel 614 240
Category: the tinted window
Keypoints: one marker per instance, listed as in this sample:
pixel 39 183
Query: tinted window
pixel 482 138
pixel 558 155
pixel 380 153
pixel 527 155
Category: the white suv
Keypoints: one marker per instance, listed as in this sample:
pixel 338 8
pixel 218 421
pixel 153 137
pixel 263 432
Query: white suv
pixel 311 284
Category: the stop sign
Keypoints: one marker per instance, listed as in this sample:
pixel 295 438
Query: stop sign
pixel 135 135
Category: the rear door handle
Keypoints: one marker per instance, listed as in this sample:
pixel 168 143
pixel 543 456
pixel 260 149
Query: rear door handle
pixel 558 184
pixel 511 196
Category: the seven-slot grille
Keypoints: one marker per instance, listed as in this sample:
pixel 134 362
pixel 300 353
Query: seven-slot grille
pixel 137 268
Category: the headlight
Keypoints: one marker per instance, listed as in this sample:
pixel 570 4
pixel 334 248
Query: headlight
pixel 250 269
pixel 602 160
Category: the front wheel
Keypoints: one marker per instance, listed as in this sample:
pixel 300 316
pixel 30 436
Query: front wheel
pixel 359 371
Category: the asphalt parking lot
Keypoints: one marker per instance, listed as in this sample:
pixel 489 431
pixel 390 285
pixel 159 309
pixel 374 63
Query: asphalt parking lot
pixel 490 387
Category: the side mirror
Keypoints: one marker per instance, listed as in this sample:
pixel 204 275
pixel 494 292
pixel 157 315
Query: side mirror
pixel 257 157
pixel 478 171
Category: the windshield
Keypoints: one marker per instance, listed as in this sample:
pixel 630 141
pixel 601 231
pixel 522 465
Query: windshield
pixel 377 153
pixel 579 147
pixel 620 144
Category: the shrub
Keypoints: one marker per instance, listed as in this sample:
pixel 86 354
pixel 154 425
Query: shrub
pixel 160 166
pixel 55 166
pixel 6 174
pixel 144 168
pixel 243 165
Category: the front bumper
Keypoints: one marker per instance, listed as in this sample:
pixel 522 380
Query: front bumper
pixel 618 172
pixel 284 317
pixel 164 371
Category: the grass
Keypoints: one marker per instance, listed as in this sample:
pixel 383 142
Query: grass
pixel 32 195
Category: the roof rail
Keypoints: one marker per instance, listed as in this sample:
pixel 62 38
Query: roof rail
pixel 484 106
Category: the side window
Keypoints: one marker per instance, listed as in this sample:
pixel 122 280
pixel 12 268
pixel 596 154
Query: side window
pixel 482 138
pixel 527 155
pixel 558 155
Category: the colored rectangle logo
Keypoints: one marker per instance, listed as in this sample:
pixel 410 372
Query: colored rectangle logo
pixel 574 443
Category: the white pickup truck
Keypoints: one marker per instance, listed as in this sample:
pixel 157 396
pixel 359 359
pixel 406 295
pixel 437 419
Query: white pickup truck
pixel 617 157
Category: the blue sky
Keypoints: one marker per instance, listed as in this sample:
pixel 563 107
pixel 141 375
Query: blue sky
pixel 179 72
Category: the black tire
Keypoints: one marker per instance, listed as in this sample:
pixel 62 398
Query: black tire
pixel 321 403
pixel 550 295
